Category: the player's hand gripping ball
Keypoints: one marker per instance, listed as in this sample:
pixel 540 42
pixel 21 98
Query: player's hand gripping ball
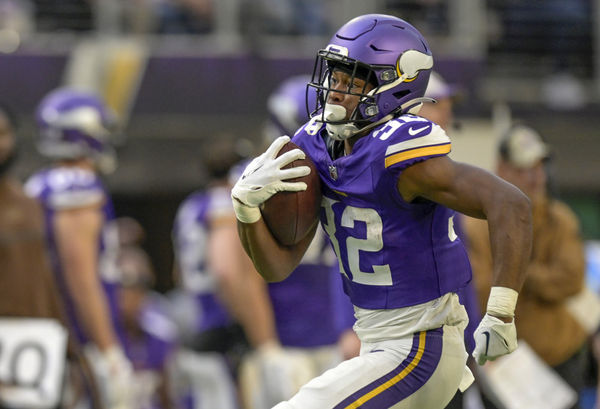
pixel 291 215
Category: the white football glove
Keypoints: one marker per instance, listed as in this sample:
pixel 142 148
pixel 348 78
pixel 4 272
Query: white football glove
pixel 264 177
pixel 283 372
pixel 494 338
pixel 114 374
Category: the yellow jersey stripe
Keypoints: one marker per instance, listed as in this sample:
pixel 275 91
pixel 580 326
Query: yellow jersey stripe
pixel 412 365
pixel 415 153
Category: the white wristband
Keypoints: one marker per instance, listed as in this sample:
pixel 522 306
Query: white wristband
pixel 245 214
pixel 502 302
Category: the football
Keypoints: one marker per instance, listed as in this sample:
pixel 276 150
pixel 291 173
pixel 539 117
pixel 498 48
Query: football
pixel 291 215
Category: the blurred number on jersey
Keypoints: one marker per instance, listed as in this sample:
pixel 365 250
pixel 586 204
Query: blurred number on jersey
pixel 32 362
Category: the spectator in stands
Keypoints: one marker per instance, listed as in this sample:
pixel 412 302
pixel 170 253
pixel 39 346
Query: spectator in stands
pixel 184 16
pixel 557 266
pixel 296 17
pixel 63 15
pixel 27 287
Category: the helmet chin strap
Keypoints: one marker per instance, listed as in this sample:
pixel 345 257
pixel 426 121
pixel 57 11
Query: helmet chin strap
pixel 413 106
pixel 340 132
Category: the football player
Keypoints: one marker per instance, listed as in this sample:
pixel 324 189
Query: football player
pixel 229 303
pixel 389 190
pixel 150 336
pixel 74 130
pixel 311 336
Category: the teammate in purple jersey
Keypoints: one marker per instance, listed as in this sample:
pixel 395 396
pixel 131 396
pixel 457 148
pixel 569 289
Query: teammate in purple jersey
pixel 150 336
pixel 190 232
pixel 388 189
pixel 231 311
pixel 74 131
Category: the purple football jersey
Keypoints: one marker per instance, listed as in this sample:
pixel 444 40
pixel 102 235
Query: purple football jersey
pixel 391 253
pixel 151 349
pixel 157 339
pixel 190 235
pixel 64 188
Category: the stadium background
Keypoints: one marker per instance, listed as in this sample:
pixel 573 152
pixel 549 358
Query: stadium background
pixel 182 72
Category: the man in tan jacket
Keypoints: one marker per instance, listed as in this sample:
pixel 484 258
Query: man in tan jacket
pixel 556 269
pixel 29 300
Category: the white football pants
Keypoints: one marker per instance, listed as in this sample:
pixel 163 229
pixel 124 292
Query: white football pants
pixel 422 371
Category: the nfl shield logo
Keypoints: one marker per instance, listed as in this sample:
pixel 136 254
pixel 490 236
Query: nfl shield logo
pixel 333 172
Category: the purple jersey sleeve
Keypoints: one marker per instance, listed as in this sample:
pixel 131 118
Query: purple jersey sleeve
pixel 411 139
pixel 66 188
pixel 157 340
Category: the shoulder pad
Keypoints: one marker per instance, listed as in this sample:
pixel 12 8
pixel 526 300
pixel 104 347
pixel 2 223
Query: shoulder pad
pixel 34 187
pixel 69 188
pixel 411 138
pixel 312 127
pixel 220 203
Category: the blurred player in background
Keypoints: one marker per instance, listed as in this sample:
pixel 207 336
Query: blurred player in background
pixel 75 131
pixel 442 111
pixel 556 271
pixel 313 317
pixel 388 193
pixel 229 304
pixel 150 335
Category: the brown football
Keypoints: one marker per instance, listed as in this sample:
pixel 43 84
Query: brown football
pixel 291 215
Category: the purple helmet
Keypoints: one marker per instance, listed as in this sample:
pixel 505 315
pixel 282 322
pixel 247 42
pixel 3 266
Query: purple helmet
pixel 386 52
pixel 74 124
pixel 289 106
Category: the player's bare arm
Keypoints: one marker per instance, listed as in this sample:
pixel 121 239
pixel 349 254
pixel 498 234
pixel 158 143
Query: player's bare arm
pixel 273 261
pixel 77 233
pixel 262 178
pixel 243 291
pixel 478 193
